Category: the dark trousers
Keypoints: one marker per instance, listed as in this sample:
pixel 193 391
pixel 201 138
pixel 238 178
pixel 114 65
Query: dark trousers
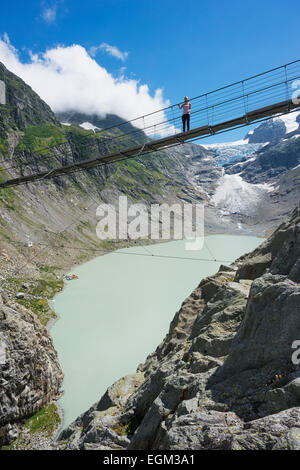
pixel 185 119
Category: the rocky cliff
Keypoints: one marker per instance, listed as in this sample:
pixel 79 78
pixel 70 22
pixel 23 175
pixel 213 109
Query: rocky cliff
pixel 277 166
pixel 225 377
pixel 30 374
pixel 23 106
pixel 276 128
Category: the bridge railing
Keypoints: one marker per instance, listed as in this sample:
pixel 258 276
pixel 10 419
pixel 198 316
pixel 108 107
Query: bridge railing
pixel 224 104
pixel 208 109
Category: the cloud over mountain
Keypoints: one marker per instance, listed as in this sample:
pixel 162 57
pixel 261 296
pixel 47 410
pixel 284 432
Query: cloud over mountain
pixel 68 78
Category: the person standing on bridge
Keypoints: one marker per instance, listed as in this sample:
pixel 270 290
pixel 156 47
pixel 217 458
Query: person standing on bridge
pixel 186 112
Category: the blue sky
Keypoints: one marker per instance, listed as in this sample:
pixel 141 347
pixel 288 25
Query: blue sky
pixel 184 47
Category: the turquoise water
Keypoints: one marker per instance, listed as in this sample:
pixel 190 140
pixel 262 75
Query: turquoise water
pixel 120 308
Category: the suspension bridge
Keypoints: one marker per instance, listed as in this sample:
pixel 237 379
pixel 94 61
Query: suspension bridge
pixel 239 104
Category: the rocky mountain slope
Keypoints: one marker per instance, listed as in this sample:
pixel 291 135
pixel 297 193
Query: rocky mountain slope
pixel 30 374
pixel 234 203
pixel 277 167
pixel 23 107
pixel 262 184
pixel 276 128
pixel 35 218
pixel 225 376
pixel 48 227
pixel 41 214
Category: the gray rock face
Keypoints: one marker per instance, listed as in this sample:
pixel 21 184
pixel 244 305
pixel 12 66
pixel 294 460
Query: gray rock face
pixel 101 427
pixel 270 162
pixel 254 267
pixel 223 378
pixel 269 130
pixel 225 431
pixel 276 164
pixel 30 374
pixel 24 106
pixel 274 306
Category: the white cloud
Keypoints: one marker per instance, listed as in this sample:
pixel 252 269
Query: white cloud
pixel 49 14
pixel 111 50
pixel 67 78
pixel 5 37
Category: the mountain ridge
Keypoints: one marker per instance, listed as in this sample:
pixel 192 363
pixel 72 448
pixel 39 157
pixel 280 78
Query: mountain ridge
pixel 275 128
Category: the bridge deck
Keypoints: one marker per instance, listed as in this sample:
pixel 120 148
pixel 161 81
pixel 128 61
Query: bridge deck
pixel 154 145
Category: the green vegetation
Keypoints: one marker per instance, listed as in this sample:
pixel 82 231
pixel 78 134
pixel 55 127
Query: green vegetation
pixel 38 138
pixel 135 178
pixel 8 197
pixel 108 244
pixel 40 307
pixel 44 422
pixel 48 269
pixel 127 429
pixel 13 82
pixel 86 224
pixel 38 292
pixel 79 136
pixel 4 146
pixel 131 176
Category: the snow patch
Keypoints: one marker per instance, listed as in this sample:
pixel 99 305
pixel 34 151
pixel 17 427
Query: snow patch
pixel 289 121
pixel 290 138
pixel 226 144
pixel 247 161
pixel 88 126
pixel 234 195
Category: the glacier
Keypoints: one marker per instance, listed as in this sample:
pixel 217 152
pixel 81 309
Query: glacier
pixel 229 152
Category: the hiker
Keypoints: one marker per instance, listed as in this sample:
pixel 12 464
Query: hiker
pixel 186 111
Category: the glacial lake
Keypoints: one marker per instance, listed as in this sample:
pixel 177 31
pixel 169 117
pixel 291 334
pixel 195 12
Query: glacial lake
pixel 120 309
